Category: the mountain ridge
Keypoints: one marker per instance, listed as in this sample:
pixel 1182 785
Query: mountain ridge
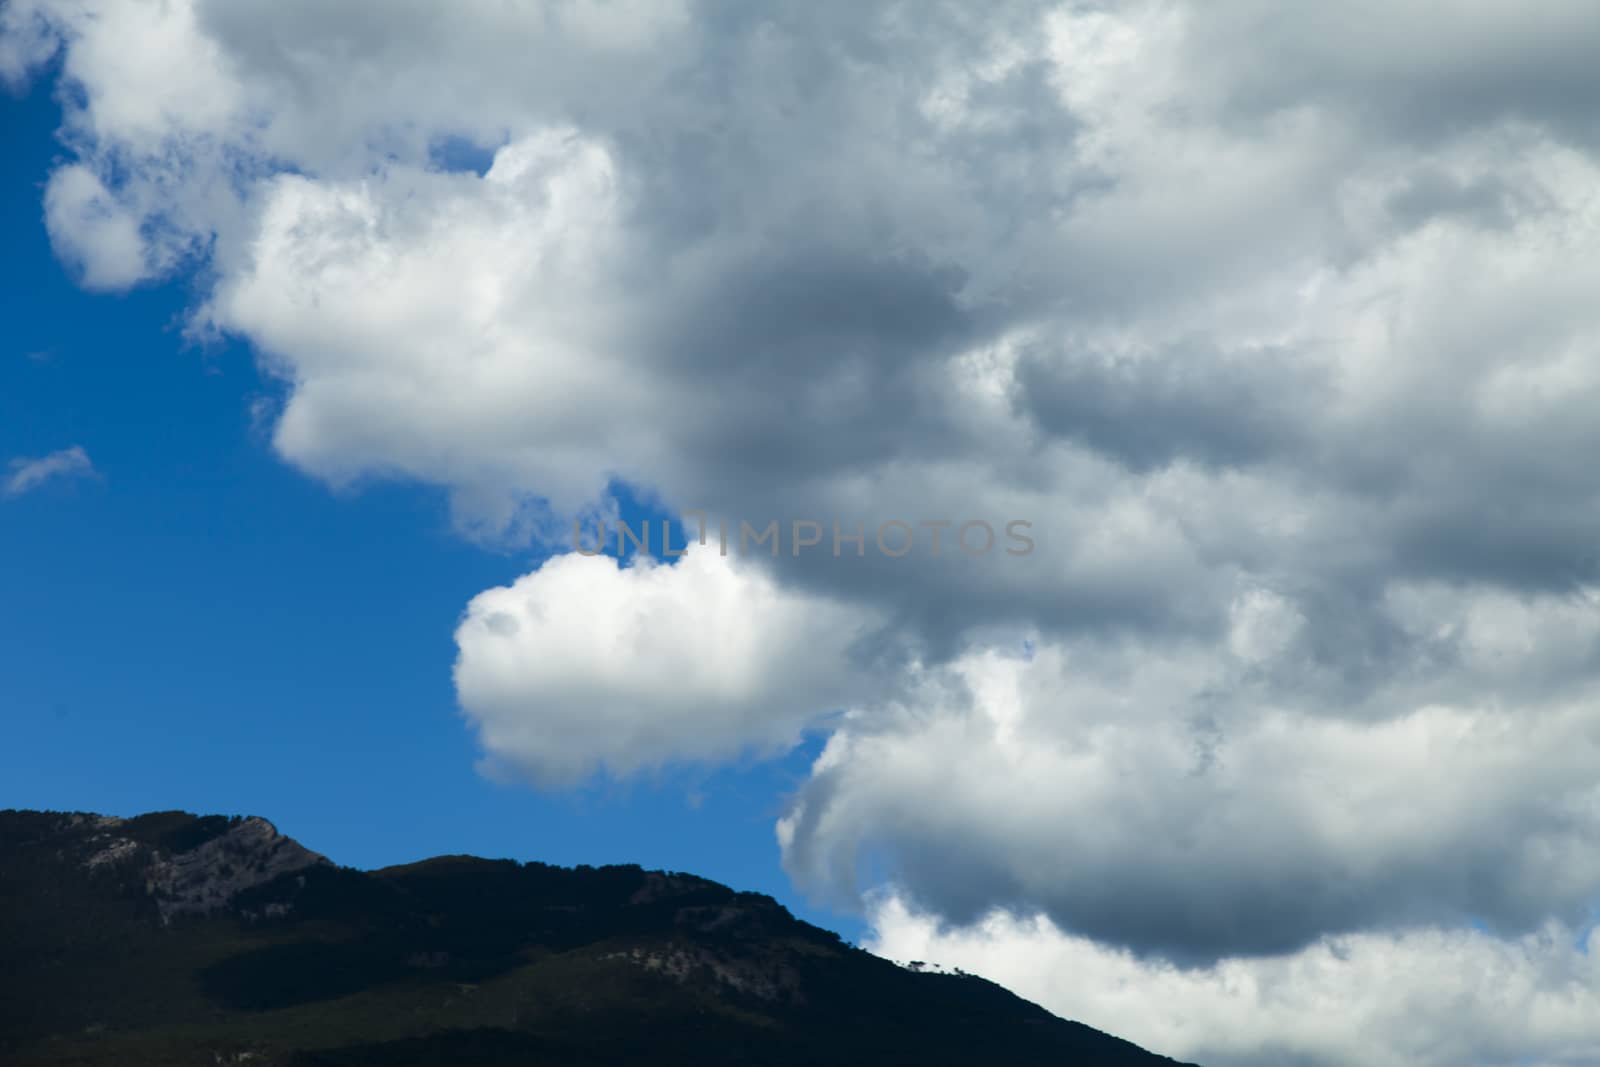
pixel 171 938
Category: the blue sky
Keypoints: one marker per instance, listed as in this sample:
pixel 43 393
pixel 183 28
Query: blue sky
pixel 202 627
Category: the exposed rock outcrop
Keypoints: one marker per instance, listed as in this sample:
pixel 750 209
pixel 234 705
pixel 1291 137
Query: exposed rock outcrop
pixel 767 978
pixel 206 878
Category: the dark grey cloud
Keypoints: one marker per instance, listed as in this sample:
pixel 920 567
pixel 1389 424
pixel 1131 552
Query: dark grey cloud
pixel 1485 201
pixel 1184 405
pixel 1424 71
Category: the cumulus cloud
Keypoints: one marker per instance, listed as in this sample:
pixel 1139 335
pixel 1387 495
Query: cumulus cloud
pixel 485 288
pixel 1194 804
pixel 1428 997
pixel 588 663
pixel 89 229
pixel 1277 325
pixel 25 475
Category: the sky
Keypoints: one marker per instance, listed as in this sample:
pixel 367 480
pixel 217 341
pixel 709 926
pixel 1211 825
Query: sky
pixel 190 624
pixel 1271 326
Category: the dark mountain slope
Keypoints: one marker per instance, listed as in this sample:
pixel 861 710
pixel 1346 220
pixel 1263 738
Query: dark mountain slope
pixel 171 940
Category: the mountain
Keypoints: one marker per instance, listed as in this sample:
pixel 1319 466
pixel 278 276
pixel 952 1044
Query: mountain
pixel 173 939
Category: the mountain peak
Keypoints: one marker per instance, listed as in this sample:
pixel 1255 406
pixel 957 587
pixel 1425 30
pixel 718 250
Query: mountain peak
pixel 211 875
pixel 174 938
pixel 189 864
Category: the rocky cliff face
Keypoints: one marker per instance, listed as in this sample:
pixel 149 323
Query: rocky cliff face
pixel 198 868
pixel 208 877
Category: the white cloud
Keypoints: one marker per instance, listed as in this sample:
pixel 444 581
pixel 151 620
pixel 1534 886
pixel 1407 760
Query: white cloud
pixel 91 230
pixel 27 41
pixel 26 475
pixel 447 327
pixel 1424 998
pixel 1197 804
pixel 588 664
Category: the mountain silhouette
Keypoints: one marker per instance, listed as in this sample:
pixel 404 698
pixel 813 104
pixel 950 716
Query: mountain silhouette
pixel 173 939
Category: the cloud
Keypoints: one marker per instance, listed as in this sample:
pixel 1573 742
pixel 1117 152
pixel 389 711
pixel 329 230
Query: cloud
pixel 1428 997
pixel 27 43
pixel 26 475
pixel 1277 326
pixel 89 229
pixel 1194 804
pixel 588 663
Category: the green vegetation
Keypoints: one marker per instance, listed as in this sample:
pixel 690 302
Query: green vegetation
pixel 451 962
